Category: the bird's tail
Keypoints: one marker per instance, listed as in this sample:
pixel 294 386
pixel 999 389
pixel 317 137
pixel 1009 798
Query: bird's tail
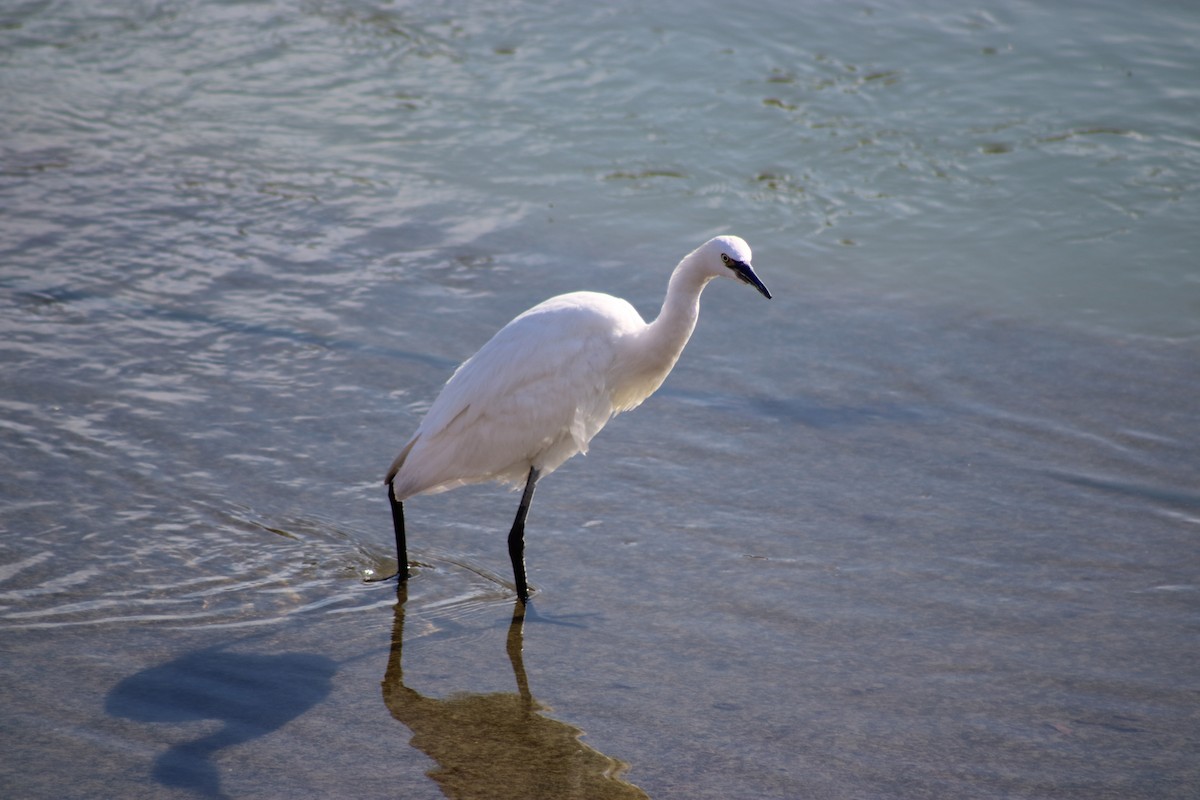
pixel 399 462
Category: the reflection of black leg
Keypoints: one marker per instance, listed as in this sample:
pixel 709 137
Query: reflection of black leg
pixel 395 670
pixel 516 537
pixel 515 657
pixel 401 545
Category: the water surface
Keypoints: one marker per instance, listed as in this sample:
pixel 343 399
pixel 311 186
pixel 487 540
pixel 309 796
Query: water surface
pixel 923 525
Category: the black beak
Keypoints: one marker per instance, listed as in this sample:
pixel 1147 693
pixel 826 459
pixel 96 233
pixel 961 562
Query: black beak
pixel 746 275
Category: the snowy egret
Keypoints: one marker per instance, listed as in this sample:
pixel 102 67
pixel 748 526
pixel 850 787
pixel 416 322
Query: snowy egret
pixel 546 383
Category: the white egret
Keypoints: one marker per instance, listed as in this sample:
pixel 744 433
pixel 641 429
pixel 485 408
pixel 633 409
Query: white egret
pixel 546 383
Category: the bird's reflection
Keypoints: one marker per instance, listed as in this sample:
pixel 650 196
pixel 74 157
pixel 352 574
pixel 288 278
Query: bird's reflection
pixel 498 745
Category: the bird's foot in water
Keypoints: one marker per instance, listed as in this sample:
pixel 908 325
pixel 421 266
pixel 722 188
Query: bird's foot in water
pixel 371 575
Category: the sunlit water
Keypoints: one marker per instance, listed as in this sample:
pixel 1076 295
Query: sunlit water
pixel 923 525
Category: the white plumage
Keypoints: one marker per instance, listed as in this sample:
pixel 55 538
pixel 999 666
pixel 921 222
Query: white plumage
pixel 547 382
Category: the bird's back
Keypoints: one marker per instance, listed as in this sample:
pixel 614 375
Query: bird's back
pixel 534 395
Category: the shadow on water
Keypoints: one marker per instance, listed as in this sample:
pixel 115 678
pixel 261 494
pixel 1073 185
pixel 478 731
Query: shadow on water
pixel 497 745
pixel 251 694
pixel 1180 498
pixel 139 310
pixel 798 409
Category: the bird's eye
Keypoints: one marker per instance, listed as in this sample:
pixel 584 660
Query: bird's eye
pixel 725 257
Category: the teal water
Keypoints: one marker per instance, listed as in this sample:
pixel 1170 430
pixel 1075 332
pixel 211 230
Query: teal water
pixel 923 525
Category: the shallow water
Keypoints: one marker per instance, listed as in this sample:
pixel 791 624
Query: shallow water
pixel 923 525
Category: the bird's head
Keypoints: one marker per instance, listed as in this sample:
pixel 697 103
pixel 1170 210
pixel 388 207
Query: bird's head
pixel 729 256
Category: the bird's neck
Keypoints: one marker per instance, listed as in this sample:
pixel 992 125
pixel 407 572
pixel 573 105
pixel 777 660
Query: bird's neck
pixel 657 348
pixel 670 331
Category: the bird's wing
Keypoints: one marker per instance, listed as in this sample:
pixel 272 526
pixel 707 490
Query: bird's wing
pixel 534 395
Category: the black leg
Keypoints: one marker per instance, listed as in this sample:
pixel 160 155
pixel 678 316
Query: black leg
pixel 516 537
pixel 401 545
